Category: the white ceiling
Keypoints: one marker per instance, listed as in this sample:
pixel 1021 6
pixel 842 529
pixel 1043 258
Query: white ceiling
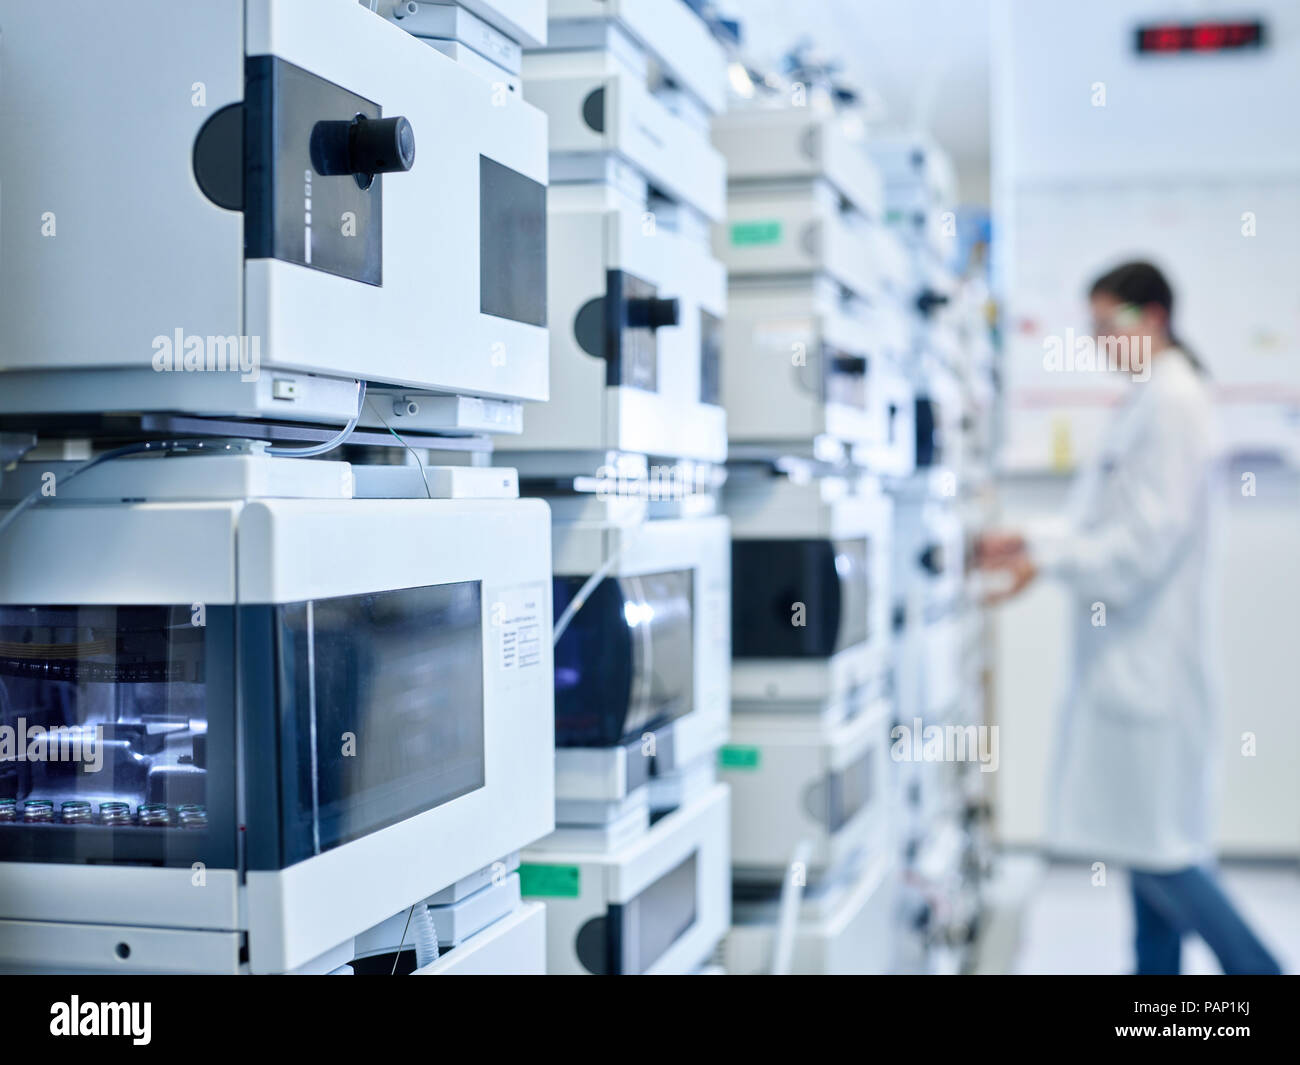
pixel 928 59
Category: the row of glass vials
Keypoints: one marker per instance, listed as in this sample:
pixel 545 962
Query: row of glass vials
pixel 81 812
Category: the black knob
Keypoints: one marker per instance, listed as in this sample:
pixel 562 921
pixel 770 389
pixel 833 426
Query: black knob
pixel 929 300
pixel 849 365
pixel 653 312
pixel 932 559
pixel 380 146
pixel 363 147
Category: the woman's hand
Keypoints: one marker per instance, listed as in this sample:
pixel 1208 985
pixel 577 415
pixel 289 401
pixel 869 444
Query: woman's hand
pixel 1022 570
pixel 1005 551
pixel 996 548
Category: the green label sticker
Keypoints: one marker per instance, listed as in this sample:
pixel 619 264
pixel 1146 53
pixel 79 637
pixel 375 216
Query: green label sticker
pixel 767 231
pixel 549 881
pixel 735 757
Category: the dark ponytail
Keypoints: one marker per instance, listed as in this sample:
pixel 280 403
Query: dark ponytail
pixel 1142 284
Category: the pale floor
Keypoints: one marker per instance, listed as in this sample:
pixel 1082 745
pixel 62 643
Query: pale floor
pixel 1070 926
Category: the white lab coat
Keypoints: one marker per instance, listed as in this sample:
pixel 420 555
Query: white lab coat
pixel 1134 779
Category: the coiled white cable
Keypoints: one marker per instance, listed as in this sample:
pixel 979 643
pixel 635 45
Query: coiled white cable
pixel 426 937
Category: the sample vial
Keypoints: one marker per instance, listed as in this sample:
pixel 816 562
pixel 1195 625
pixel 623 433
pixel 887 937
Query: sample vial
pixel 76 812
pixel 8 810
pixel 154 813
pixel 191 815
pixel 38 810
pixel 114 813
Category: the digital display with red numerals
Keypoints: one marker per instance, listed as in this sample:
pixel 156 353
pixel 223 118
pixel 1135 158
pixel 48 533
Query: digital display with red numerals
pixel 1199 36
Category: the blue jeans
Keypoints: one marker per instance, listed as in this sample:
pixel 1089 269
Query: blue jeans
pixel 1169 905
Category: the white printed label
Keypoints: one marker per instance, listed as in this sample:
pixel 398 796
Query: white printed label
pixel 517 617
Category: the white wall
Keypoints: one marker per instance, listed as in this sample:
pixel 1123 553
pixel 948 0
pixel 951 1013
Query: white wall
pixel 1223 114
pixel 1258 625
pixel 1183 149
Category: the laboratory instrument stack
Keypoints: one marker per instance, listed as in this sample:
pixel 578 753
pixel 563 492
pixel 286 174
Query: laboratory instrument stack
pixel 818 410
pixel 273 627
pixel 628 453
pixel 945 744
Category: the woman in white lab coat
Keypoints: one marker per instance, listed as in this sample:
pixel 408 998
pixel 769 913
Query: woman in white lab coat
pixel 1133 782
